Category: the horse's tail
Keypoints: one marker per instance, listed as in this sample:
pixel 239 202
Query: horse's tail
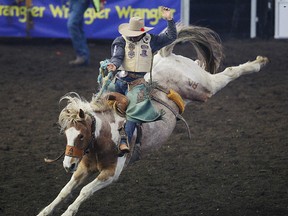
pixel 205 41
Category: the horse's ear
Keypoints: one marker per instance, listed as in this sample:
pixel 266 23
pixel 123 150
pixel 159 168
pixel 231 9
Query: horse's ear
pixel 81 114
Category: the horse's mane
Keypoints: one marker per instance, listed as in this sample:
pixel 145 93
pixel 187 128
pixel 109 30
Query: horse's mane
pixel 205 41
pixel 69 114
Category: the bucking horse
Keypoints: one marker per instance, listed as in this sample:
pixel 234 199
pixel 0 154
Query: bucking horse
pixel 92 127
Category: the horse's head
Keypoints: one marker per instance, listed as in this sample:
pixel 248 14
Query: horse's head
pixel 78 125
pixel 80 136
pixel 78 122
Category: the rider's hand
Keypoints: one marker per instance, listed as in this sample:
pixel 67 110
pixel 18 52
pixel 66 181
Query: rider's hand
pixel 166 13
pixel 111 67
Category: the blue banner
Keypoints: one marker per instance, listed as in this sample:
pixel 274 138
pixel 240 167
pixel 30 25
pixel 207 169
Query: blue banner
pixel 48 18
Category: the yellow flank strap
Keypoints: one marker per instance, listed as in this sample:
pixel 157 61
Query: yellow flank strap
pixel 174 96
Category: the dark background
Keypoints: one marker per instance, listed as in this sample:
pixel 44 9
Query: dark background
pixel 231 18
pixel 235 164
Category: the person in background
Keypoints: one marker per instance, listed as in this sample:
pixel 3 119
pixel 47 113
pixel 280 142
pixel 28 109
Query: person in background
pixel 134 52
pixel 75 25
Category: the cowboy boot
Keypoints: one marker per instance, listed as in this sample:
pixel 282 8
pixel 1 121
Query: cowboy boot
pixel 123 146
pixel 79 61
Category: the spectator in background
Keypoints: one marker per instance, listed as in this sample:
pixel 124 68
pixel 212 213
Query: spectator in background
pixel 75 24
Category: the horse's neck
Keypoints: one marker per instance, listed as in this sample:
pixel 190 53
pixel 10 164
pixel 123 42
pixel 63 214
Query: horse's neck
pixel 108 121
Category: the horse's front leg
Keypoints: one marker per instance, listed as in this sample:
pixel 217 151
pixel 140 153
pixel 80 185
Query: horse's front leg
pixel 105 178
pixel 220 80
pixel 76 179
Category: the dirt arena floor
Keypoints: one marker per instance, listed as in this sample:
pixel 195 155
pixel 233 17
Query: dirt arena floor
pixel 236 163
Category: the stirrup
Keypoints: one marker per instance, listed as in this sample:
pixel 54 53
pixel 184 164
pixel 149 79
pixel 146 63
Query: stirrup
pixel 123 147
pixel 124 150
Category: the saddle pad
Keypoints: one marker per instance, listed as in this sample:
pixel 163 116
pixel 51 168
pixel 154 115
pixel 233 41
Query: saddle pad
pixel 140 108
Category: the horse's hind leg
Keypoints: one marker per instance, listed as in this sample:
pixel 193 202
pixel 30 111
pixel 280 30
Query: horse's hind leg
pixel 220 80
pixel 76 179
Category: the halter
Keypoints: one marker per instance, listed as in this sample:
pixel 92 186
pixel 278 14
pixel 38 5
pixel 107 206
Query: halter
pixel 74 151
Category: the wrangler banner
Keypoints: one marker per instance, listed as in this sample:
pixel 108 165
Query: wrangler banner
pixel 48 18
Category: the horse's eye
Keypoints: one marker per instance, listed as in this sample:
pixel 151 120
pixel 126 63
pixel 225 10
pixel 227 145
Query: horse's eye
pixel 81 137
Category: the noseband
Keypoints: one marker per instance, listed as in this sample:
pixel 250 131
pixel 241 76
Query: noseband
pixel 74 151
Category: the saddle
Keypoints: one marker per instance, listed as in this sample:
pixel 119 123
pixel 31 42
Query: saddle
pixel 118 102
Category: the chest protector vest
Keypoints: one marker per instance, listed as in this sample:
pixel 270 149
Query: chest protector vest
pixel 138 56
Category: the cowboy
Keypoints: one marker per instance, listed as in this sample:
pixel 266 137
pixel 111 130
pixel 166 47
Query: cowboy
pixel 133 53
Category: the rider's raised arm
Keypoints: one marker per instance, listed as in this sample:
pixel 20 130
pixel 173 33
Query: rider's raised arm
pixel 168 35
pixel 164 38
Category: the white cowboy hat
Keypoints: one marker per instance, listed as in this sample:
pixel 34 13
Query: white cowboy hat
pixel 134 28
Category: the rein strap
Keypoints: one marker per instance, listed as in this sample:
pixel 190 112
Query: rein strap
pixel 47 160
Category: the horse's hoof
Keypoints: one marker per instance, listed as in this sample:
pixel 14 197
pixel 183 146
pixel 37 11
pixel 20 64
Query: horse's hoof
pixel 262 60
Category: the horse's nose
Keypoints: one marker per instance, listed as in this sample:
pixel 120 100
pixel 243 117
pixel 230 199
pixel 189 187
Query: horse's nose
pixel 73 165
pixel 71 168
